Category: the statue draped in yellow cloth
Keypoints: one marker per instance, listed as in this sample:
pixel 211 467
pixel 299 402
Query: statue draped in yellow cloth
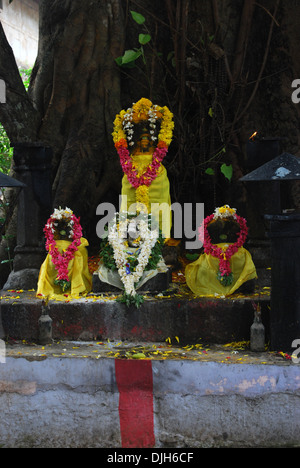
pixel 65 269
pixel 142 135
pixel 224 266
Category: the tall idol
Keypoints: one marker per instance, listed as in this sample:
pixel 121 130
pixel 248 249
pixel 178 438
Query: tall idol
pixel 142 135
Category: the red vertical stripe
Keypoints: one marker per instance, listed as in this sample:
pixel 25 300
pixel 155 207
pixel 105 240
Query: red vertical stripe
pixel 135 385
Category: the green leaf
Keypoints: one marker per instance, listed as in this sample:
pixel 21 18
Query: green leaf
pixel 210 112
pixel 138 18
pixel 130 56
pixel 118 60
pixel 227 171
pixel 144 38
pixel 209 171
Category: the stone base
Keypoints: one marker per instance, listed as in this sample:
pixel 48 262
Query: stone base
pixel 159 283
pixel 28 257
pixel 22 279
pixel 92 317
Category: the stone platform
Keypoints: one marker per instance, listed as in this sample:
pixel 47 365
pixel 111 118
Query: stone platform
pixel 175 373
pixel 174 313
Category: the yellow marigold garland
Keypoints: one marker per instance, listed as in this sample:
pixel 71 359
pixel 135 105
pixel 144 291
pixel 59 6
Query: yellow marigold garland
pixel 123 135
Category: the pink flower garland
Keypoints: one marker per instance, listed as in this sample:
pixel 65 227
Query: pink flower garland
pixel 61 260
pixel 224 256
pixel 151 172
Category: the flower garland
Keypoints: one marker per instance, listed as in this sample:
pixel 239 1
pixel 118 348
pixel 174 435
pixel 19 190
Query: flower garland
pixel 61 260
pixel 130 274
pixel 142 198
pixel 224 254
pixel 123 136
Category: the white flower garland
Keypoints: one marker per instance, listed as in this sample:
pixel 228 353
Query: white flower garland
pixel 116 238
pixel 225 212
pixel 128 125
pixel 61 214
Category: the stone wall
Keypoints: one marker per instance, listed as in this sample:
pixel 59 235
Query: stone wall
pixel 85 402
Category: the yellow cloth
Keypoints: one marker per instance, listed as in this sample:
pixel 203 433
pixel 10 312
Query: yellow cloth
pixel 201 276
pixel 80 277
pixel 158 192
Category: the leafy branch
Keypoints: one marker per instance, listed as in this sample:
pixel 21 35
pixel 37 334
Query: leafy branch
pixel 130 56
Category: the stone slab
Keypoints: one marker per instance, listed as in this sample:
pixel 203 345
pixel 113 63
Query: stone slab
pixel 100 316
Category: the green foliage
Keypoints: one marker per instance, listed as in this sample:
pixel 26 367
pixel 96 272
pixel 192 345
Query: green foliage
pixel 6 153
pixel 227 171
pixel 26 74
pixel 225 280
pixel 129 299
pixel 5 150
pixel 130 56
pixel 156 253
pixel 144 38
pixel 107 255
pixel 211 112
pixel 138 18
pixel 64 284
pixel 209 171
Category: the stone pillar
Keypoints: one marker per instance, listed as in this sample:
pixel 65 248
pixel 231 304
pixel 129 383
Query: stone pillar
pixel 33 168
pixel 284 233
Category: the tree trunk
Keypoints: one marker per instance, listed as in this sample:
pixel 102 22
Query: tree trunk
pixel 17 115
pixel 76 90
pixel 73 97
pixel 72 101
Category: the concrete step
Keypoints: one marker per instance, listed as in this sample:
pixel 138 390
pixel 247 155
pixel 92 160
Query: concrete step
pixel 98 395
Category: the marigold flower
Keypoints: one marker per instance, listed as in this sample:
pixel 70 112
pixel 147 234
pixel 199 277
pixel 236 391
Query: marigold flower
pixel 143 110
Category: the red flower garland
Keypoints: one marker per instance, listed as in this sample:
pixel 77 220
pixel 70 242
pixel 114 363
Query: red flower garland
pixel 61 260
pixel 151 172
pixel 224 255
